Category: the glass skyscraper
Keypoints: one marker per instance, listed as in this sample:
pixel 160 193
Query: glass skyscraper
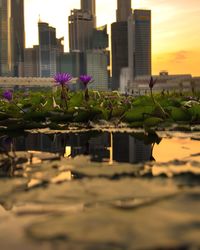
pixel 123 10
pixel 89 5
pixel 119 34
pixel 12 37
pixel 139 40
pixel 131 43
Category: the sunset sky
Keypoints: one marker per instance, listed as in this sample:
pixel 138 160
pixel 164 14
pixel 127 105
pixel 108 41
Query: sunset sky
pixel 175 28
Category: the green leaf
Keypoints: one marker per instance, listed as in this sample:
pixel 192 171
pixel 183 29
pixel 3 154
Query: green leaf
pixel 180 114
pixel 76 100
pixel 195 112
pixel 138 113
pixel 36 116
pixel 152 121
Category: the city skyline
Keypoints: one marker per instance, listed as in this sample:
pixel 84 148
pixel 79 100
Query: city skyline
pixel 175 35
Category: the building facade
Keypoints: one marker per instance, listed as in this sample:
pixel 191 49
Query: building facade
pixel 96 65
pixel 119 33
pixel 31 62
pixel 81 25
pixel 72 62
pixel 12 37
pixel 100 38
pixel 123 10
pixel 90 6
pixel 49 50
pixel 119 41
pixel 139 43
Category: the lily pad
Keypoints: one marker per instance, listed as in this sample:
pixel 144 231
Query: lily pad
pixel 152 121
pixel 195 112
pixel 138 113
pixel 180 114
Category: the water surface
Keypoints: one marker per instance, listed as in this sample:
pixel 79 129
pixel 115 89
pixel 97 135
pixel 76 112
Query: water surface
pixel 97 190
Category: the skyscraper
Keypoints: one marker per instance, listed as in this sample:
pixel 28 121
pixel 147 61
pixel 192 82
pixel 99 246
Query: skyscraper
pixel 123 10
pixel 119 34
pixel 89 42
pixel 49 49
pixel 12 37
pixel 81 25
pixel 89 5
pixel 100 38
pixel 139 43
pixel 18 33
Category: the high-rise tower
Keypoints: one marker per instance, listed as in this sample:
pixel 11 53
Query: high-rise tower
pixel 81 25
pixel 12 37
pixel 49 48
pixel 89 5
pixel 139 43
pixel 119 34
pixel 123 10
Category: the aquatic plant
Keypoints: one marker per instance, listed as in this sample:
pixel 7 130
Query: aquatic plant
pixel 63 79
pixel 8 95
pixel 158 108
pixel 85 80
pixel 152 82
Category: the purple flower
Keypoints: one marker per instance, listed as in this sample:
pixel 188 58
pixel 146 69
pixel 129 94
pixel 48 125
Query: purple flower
pixel 8 95
pixel 152 82
pixel 85 79
pixel 62 78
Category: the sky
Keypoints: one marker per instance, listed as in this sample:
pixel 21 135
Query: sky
pixel 175 28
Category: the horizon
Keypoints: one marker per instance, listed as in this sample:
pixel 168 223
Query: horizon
pixel 171 50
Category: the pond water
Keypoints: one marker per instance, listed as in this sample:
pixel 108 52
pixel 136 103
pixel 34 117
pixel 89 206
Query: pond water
pixel 100 190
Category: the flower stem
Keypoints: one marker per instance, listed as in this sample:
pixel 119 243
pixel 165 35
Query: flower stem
pixel 64 96
pixel 152 97
pixel 18 107
pixel 87 95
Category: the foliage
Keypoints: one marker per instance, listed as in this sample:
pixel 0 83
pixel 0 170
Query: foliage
pixel 45 109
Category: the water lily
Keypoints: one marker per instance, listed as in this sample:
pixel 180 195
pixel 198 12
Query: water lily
pixel 161 112
pixel 63 79
pixel 8 95
pixel 152 82
pixel 86 79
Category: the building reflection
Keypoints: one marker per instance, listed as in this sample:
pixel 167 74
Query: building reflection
pixel 106 146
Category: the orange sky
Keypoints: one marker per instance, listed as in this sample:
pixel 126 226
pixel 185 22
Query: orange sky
pixel 175 28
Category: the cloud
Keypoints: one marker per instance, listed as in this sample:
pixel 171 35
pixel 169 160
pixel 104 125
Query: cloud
pixel 178 62
pixel 179 56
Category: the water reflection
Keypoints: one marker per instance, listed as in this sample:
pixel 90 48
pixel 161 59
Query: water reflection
pixel 100 146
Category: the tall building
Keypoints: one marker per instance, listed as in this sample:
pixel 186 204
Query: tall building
pixel 12 37
pixel 49 49
pixel 96 65
pixel 139 43
pixel 89 5
pixel 81 25
pixel 119 44
pixel 72 62
pixel 119 33
pixel 31 62
pixel 89 42
pixel 100 38
pixel 123 10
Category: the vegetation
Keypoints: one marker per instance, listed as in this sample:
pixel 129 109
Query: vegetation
pixel 46 109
